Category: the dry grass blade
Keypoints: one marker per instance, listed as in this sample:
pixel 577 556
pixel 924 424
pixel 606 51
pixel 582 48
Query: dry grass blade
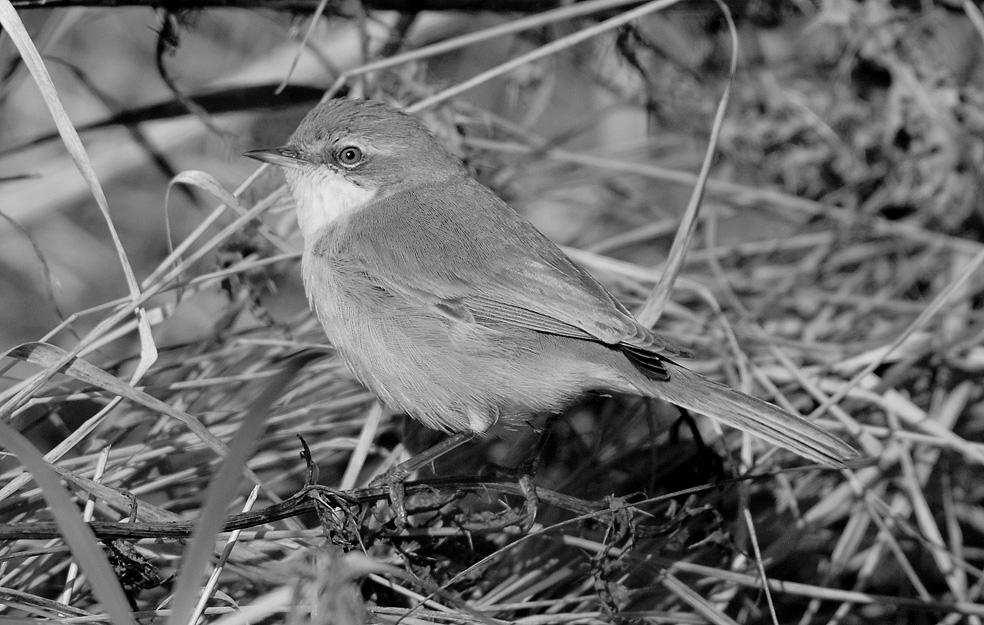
pixel 934 307
pixel 32 59
pixel 558 45
pixel 759 564
pixel 359 455
pixel 213 578
pixel 208 183
pixel 50 356
pixel 652 308
pixel 977 19
pixel 75 532
pixel 45 268
pixel 13 26
pixel 312 24
pixel 221 490
pixel 456 43
pixel 692 598
pixel 73 568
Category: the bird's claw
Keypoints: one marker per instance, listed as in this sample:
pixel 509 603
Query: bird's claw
pixel 393 480
pixel 530 504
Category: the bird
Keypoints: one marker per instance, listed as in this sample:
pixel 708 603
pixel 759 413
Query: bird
pixel 454 309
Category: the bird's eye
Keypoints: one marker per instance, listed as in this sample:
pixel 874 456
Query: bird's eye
pixel 349 156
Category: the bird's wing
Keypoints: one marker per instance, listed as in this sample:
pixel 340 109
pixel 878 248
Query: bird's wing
pixel 461 249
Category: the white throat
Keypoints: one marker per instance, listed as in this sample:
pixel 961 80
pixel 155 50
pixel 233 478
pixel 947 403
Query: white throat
pixel 324 196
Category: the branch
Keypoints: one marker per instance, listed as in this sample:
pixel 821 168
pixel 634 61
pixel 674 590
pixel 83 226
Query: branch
pixel 298 504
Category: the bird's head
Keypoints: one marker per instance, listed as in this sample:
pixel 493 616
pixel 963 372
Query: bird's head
pixel 347 153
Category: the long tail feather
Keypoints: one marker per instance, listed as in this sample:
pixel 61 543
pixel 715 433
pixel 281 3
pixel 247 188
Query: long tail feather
pixel 694 392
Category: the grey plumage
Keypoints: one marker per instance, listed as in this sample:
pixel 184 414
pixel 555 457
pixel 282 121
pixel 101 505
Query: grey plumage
pixel 456 310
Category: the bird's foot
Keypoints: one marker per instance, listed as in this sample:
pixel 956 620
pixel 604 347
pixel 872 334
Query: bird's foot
pixel 531 502
pixel 393 480
pixel 526 516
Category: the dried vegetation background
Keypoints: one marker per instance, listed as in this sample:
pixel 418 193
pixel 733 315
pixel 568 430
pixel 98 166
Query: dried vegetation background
pixel 835 270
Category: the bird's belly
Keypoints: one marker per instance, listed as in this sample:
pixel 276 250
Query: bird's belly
pixel 450 374
pixel 410 359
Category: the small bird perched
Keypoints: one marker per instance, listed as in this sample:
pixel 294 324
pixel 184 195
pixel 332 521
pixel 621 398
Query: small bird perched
pixel 454 309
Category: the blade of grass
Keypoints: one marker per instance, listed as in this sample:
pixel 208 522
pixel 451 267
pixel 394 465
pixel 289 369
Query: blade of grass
pixel 511 26
pixel 45 355
pixel 221 491
pixel 308 33
pixel 358 457
pixel 759 564
pixel 652 308
pixel 15 29
pixel 46 278
pixel 694 600
pixel 76 533
pixel 969 270
pixel 209 184
pixel 213 578
pixel 553 47
pixel 90 506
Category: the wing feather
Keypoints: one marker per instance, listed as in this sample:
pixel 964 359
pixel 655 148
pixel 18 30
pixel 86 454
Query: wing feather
pixel 458 246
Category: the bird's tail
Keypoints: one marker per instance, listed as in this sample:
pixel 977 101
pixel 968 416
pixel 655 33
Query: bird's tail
pixel 694 392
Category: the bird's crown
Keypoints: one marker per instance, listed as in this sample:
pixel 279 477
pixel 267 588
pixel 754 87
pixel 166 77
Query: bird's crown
pixel 369 141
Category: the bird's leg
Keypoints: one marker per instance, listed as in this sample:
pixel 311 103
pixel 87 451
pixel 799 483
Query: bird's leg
pixel 527 470
pixel 531 502
pixel 394 477
pixel 685 418
pixel 531 462
pixel 429 455
pixel 708 462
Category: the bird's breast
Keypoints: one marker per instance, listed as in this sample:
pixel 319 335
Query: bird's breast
pixel 324 197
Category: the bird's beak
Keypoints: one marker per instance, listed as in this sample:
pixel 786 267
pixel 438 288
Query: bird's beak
pixel 283 156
